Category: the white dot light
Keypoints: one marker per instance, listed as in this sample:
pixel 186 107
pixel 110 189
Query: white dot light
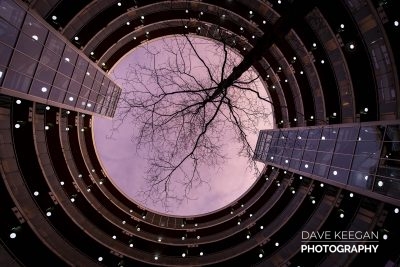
pixel 119 4
pixel 351 194
pixel 17 125
pixel 396 210
pixel 341 215
pixel 18 101
pixel 183 255
pixel 385 237
pixel 306 166
pixel 114 237
pixel 35 37
pixel 100 258
pixel 380 183
pixel 46 127
pixel 76 38
pixel 13 235
pixel 47 107
pixel 54 17
pixel 396 23
pixel 131 245
pixel 71 98
pixel 260 255
pixel 156 257
pixel 62 183
pixel 342 26
pixel 201 253
pixel 36 193
pixel 334 172
pixel 276 244
pixel 48 214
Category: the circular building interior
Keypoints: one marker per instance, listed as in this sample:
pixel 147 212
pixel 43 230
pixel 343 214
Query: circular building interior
pixel 331 160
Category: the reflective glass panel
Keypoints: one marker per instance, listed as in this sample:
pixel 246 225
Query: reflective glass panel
pixel 5 54
pixel 8 33
pixel 17 81
pixel 11 12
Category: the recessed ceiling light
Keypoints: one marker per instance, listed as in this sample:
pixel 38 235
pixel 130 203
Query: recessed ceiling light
pixel 54 17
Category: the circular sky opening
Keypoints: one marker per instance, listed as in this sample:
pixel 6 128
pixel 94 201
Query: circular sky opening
pixel 176 85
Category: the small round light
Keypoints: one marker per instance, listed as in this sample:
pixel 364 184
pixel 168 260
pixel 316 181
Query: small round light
pixel 46 127
pixel 341 215
pixel 380 183
pixel 156 257
pixel 352 46
pixel 100 258
pixel 131 245
pixel 261 227
pixel 72 199
pixel 119 4
pixel 35 37
pixel 260 255
pixel 18 101
pixel 276 244
pixel 123 222
pixel 385 237
pixel 13 235
pixel 198 237
pixel 322 185
pixel 306 166
pixel 396 210
pixel 342 26
pixel 47 107
pixel 114 237
pixel 366 177
pixel 62 183
pixel 201 253
pixel 301 72
pixel 396 23
pixel 334 172
pixel 141 17
pixel 314 45
pixel 183 254
pixel 71 98
pixel 48 214
pixel 36 193
pixel 17 125
pixel 365 109
pixel 54 17
pixel 313 201
pixel 322 61
pixel 76 38
pixel 351 195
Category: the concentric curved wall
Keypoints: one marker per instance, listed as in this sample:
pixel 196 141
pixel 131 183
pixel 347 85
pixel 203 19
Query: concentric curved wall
pixel 58 208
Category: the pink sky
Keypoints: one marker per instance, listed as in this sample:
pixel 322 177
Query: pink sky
pixel 126 168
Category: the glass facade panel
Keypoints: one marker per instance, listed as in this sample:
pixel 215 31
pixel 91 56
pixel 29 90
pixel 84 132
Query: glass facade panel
pixel 39 88
pixel 11 12
pixel 54 44
pixel 22 63
pixel 34 30
pixel 45 74
pixel 326 145
pixel 363 155
pixel 345 147
pixel 17 81
pixel 368 147
pixel 8 33
pixel 360 179
pixel 341 160
pixel 50 59
pixel 57 94
pixel 29 48
pixel 324 158
pixel 348 133
pixel 5 54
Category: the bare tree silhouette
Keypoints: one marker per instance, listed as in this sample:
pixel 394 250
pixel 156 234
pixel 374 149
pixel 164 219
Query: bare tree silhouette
pixel 182 102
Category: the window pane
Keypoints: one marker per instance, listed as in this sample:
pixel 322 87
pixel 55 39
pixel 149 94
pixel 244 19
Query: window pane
pixel 368 147
pixel 67 62
pixel 45 74
pixel 11 12
pixel 39 88
pixel 371 133
pixel 74 87
pixel 17 81
pixel 348 133
pixel 321 170
pixel 5 54
pixel 364 163
pixel 23 64
pixel 50 59
pixel 360 179
pixel 342 161
pixel 345 147
pixel 34 29
pixel 57 94
pixel 339 175
pixel 61 82
pixel 8 34
pixel 54 44
pixel 324 158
